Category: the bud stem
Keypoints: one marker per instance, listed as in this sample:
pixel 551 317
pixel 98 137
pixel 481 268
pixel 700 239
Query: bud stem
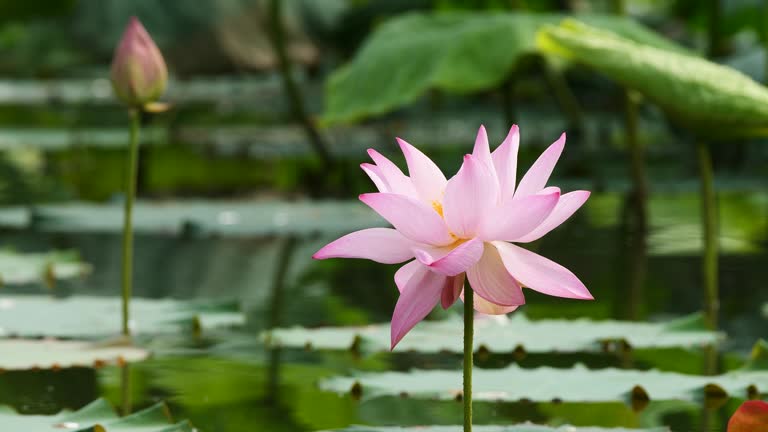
pixel 469 320
pixel 130 192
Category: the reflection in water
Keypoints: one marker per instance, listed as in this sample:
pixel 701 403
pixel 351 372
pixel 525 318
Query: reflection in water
pixel 225 385
pixel 633 237
pixel 276 309
pixel 710 273
pixel 125 389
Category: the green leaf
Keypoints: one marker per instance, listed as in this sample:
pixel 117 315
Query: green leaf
pixel 511 428
pixel 24 268
pixel 459 52
pixel 694 91
pixel 506 335
pixel 93 317
pixel 576 384
pixel 19 354
pixel 96 416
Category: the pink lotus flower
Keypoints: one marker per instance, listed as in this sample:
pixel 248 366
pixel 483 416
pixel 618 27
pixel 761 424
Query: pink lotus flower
pixel 139 74
pixel 461 229
pixel 752 416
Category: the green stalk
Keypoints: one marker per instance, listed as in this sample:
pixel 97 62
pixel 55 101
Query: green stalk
pixel 709 224
pixel 130 193
pixel 765 40
pixel 508 100
pixel 469 310
pixel 566 100
pixel 298 106
pixel 714 16
pixel 637 160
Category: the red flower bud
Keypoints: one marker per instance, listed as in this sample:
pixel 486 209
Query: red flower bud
pixel 139 74
pixel 752 416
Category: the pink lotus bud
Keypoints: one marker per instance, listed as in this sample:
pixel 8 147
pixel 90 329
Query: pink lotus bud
pixel 139 74
pixel 752 416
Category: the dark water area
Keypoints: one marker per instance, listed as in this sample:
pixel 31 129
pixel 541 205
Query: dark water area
pixel 228 380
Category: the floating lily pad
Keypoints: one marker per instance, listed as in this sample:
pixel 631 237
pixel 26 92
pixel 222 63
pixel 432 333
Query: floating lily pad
pixel 24 268
pixel 96 416
pixel 92 317
pixel 510 428
pixel 232 219
pixel 506 335
pixel 18 354
pixel 543 384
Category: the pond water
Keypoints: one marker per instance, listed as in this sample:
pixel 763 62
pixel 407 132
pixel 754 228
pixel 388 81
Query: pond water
pixel 228 380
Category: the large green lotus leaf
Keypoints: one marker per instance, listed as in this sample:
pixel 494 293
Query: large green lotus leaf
pixel 576 384
pixel 96 416
pixel 696 92
pixel 457 52
pixel 93 317
pixel 232 219
pixel 509 428
pixel 20 354
pixel 24 268
pixel 506 335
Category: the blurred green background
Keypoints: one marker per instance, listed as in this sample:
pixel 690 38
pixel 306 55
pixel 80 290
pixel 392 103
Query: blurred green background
pixel 256 165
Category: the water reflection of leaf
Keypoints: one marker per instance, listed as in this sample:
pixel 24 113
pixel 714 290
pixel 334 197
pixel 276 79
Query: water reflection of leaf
pixel 510 428
pixel 221 393
pixel 675 225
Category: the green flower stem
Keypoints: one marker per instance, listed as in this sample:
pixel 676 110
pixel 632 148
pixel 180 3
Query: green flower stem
pixel 508 100
pixel 130 193
pixel 637 159
pixel 298 105
pixel 765 40
pixel 469 310
pixel 567 101
pixel 714 21
pixel 709 224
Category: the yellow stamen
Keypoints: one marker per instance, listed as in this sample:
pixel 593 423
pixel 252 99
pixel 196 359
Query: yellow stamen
pixel 438 208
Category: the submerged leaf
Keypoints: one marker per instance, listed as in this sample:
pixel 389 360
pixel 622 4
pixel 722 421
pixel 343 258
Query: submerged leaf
pixel 693 90
pixel 96 416
pixel 457 52
pixel 18 354
pixel 507 335
pixel 90 317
